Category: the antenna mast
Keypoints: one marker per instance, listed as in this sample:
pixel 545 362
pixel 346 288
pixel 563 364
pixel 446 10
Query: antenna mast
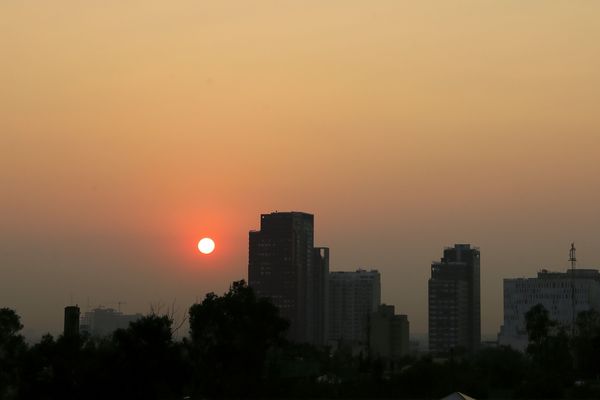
pixel 573 260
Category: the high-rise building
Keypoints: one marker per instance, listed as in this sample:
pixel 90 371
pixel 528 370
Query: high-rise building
pixel 71 327
pixel 320 301
pixel 284 266
pixel 454 301
pixel 554 291
pixel 352 297
pixel 388 333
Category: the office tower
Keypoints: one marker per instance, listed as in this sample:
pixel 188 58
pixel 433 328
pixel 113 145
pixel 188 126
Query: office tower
pixel 71 323
pixel 281 266
pixel 352 297
pixel 454 301
pixel 388 333
pixel 104 321
pixel 554 291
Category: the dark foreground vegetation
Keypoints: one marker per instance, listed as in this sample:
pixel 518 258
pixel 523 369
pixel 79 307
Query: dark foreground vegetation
pixel 236 348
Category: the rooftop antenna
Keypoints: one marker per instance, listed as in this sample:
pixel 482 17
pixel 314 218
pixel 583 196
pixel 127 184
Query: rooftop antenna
pixel 573 260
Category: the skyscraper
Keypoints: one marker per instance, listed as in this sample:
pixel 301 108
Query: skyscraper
pixel 353 295
pixel 284 266
pixel 454 301
pixel 320 300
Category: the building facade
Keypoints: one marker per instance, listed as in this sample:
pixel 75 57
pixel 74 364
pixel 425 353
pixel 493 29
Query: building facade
pixel 104 321
pixel 554 291
pixel 454 301
pixel 284 266
pixel 320 301
pixel 353 296
pixel 388 333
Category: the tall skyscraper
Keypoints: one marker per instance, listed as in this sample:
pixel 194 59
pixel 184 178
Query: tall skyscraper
pixel 71 327
pixel 553 290
pixel 284 266
pixel 454 301
pixel 352 297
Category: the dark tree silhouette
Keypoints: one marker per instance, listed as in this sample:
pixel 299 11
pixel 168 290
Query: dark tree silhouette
pixel 231 336
pixel 146 362
pixel 587 344
pixel 552 363
pixel 12 350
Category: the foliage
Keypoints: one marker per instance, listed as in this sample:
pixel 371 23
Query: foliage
pixel 237 348
pixel 231 336
pixel 12 350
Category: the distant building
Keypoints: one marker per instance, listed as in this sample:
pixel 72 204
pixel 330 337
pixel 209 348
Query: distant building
pixel 320 301
pixel 353 296
pixel 284 266
pixel 553 290
pixel 388 333
pixel 71 322
pixel 454 301
pixel 104 321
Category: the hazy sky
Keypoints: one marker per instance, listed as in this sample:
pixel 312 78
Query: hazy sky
pixel 129 130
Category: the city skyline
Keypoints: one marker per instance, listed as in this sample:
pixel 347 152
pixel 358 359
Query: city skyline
pixel 128 133
pixel 319 252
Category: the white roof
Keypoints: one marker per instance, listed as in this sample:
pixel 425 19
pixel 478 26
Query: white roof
pixel 458 396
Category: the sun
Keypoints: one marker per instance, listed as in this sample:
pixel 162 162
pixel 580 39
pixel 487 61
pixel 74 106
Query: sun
pixel 206 245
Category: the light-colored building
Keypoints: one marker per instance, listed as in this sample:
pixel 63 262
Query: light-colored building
pixel 553 290
pixel 353 296
pixel 104 321
pixel 388 333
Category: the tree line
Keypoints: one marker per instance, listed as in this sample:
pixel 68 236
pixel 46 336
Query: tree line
pixel 236 348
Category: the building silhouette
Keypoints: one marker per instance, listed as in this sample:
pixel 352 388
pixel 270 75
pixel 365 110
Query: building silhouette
pixel 353 296
pixel 104 321
pixel 388 333
pixel 284 265
pixel 454 301
pixel 71 323
pixel 554 291
pixel 320 300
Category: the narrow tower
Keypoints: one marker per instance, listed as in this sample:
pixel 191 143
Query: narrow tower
pixel 71 328
pixel 573 260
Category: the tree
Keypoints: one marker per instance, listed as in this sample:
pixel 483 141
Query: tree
pixel 12 349
pixel 550 355
pixel 146 362
pixel 231 336
pixel 587 344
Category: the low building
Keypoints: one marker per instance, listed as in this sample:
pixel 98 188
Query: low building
pixel 104 321
pixel 388 333
pixel 553 290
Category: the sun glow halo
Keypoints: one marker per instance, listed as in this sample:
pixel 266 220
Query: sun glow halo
pixel 206 245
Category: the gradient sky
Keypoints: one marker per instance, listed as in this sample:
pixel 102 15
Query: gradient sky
pixel 129 130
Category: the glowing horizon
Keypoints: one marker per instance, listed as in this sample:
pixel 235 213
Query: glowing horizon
pixel 130 131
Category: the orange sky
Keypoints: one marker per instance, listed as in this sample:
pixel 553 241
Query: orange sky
pixel 131 129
